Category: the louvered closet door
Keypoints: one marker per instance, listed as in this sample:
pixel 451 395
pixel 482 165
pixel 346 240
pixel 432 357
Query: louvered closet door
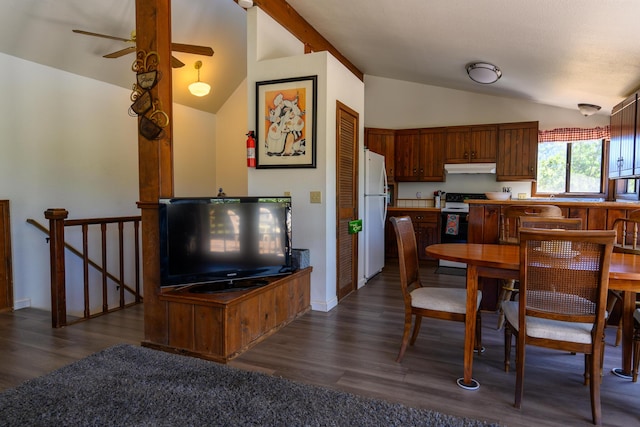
pixel 347 198
pixel 6 285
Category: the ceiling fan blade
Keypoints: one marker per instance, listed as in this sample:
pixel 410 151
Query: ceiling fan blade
pixel 120 53
pixel 176 63
pixel 192 48
pixel 87 33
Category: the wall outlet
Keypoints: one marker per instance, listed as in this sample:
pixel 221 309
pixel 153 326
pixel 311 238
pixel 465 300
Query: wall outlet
pixel 315 197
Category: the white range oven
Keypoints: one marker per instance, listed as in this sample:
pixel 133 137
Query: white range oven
pixel 454 221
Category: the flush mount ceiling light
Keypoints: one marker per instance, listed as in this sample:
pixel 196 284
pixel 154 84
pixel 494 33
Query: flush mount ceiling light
pixel 199 88
pixel 588 109
pixel 246 3
pixel 483 72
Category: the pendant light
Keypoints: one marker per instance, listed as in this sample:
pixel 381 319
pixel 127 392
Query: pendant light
pixel 199 88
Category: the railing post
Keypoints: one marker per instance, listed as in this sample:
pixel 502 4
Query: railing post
pixel 56 217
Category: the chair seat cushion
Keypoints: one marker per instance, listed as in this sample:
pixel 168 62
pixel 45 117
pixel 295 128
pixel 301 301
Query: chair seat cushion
pixel 451 300
pixel 546 328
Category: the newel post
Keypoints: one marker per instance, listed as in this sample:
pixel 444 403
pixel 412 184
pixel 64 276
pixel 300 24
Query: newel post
pixel 56 217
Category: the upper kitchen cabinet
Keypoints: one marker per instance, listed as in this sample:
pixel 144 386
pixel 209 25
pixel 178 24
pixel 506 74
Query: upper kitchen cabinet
pixel 381 141
pixel 419 154
pixel 517 154
pixel 623 135
pixel 471 144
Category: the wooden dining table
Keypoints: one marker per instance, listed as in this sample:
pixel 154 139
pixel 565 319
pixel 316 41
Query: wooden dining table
pixel 503 262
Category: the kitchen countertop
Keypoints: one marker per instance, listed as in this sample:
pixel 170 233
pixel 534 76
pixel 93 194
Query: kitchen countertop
pixel 542 201
pixel 557 202
pixel 397 209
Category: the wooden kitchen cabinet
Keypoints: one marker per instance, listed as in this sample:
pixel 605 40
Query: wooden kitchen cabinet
pixel 622 147
pixel 471 144
pixel 419 154
pixel 623 135
pixel 517 154
pixel 426 226
pixel 381 141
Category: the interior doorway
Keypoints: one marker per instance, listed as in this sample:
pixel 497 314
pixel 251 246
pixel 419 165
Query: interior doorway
pixel 347 143
pixel 6 276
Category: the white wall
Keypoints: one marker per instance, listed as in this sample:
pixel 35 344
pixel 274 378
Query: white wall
pixel 273 53
pixel 68 142
pixel 231 148
pixel 398 104
pixel 395 104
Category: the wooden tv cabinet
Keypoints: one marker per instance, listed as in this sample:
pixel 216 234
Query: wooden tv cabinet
pixel 220 326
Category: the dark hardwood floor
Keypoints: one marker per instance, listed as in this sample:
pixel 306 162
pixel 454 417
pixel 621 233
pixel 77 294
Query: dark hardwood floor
pixel 353 348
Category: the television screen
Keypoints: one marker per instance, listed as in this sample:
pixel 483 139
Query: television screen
pixel 206 240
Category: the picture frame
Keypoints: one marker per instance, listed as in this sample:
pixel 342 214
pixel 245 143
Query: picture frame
pixel 286 123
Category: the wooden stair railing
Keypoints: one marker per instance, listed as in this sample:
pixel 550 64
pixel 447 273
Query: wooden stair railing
pixel 58 221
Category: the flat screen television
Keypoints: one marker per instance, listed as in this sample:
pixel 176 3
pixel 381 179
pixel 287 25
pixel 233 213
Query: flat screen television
pixel 224 241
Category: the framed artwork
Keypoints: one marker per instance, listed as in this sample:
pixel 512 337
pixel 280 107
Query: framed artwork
pixel 286 123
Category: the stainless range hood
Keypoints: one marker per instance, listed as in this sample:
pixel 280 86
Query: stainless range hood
pixel 455 168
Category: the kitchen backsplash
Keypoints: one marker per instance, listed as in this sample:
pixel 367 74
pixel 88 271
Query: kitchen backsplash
pixel 415 203
pixel 477 183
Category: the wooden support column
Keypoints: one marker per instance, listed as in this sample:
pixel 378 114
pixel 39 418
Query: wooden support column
pixel 56 219
pixel 155 160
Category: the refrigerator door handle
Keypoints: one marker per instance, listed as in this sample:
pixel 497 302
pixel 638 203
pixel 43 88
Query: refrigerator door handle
pixel 384 213
pixel 386 192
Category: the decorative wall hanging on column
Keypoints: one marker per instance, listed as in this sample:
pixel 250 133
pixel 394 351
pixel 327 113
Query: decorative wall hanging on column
pixel 152 118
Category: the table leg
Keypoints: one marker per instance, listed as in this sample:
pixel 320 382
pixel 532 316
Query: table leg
pixel 467 382
pixel 628 305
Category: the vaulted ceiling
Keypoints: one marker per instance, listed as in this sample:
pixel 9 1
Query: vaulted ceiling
pixel 552 52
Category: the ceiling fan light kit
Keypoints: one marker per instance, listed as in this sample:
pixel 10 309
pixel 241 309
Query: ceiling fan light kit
pixel 483 72
pixel 588 109
pixel 199 88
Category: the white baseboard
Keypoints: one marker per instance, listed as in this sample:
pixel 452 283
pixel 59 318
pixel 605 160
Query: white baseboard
pixel 24 303
pixel 324 305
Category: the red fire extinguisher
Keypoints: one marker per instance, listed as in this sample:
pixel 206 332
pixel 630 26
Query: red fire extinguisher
pixel 251 150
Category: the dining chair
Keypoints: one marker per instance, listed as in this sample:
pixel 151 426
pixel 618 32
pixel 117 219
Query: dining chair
pixel 636 344
pixel 626 242
pixel 423 301
pixel 550 223
pixel 564 278
pixel 510 218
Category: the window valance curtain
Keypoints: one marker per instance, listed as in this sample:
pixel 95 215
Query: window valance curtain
pixel 574 134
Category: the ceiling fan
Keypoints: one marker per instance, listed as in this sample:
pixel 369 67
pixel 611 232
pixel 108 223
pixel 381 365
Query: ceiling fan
pixel 177 47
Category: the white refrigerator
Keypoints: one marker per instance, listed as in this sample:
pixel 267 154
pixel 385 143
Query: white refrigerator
pixel 375 212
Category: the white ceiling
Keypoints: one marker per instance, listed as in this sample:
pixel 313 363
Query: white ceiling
pixel 556 52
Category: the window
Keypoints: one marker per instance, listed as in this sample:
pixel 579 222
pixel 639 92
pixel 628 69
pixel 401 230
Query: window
pixel 571 161
pixel 627 189
pixel 570 167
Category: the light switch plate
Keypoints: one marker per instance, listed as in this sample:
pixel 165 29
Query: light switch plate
pixel 315 197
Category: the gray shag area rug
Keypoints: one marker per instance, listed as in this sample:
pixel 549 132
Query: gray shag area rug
pixel 127 385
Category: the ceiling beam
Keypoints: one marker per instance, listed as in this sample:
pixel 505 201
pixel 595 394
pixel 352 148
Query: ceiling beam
pixel 313 41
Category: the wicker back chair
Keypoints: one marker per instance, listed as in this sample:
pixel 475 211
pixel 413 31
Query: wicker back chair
pixel 419 301
pixel 510 220
pixel 564 278
pixel 550 223
pixel 510 217
pixel 626 242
